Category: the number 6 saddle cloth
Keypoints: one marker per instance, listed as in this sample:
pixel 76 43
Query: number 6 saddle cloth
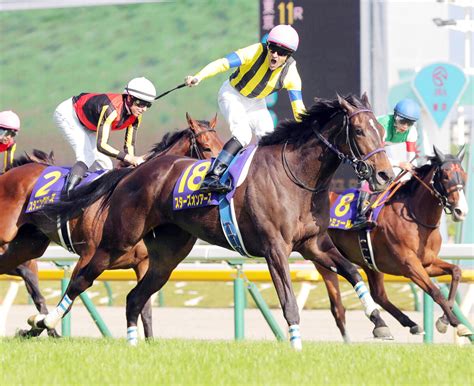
pixel 49 185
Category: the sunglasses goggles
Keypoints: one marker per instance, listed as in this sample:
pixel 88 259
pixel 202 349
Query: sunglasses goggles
pixel 6 132
pixel 280 51
pixel 403 121
pixel 140 103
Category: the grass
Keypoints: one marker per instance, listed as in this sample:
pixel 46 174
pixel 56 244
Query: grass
pixel 164 362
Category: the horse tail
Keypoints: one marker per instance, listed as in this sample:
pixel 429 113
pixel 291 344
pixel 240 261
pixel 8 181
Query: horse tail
pixel 84 196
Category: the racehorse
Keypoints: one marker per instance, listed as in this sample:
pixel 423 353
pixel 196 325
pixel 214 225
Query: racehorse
pixel 406 240
pixel 27 240
pixel 282 206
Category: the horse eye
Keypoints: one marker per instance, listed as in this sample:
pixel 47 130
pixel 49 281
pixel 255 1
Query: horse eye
pixel 206 149
pixel 359 131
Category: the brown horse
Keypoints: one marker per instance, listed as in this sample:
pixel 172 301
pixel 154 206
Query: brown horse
pixel 282 206
pixel 407 240
pixel 28 241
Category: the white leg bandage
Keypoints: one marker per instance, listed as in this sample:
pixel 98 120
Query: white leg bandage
pixel 365 298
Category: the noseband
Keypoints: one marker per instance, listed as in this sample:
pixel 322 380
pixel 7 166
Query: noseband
pixel 194 148
pixel 362 169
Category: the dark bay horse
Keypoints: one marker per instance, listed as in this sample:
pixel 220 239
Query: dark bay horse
pixel 24 239
pixel 282 206
pixel 406 241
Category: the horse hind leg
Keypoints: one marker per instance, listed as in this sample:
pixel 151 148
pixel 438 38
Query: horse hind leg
pixel 167 246
pixel 146 314
pixel 29 273
pixel 334 293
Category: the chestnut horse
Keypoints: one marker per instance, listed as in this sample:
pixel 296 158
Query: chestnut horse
pixel 282 206
pixel 406 240
pixel 28 240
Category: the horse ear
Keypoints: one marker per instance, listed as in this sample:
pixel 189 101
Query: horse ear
pixel 345 105
pixel 191 122
pixel 439 154
pixel 213 122
pixel 460 155
pixel 365 100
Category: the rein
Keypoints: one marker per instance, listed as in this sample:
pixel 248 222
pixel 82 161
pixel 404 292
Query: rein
pixel 361 168
pixel 194 144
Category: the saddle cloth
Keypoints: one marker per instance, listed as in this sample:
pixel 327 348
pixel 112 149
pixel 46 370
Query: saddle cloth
pixel 49 185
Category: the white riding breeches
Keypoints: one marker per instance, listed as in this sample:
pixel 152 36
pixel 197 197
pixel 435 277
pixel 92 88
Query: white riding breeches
pixel 244 115
pixel 82 140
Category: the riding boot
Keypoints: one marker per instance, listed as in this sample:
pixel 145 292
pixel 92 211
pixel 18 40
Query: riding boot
pixel 361 221
pixel 74 177
pixel 212 182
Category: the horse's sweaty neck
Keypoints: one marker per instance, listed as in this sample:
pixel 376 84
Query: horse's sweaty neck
pixel 422 205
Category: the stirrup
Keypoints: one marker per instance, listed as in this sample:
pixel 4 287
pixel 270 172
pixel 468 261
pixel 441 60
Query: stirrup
pixel 212 184
pixel 360 225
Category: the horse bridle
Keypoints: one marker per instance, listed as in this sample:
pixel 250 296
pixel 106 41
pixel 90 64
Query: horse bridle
pixel 362 169
pixel 194 149
pixel 438 191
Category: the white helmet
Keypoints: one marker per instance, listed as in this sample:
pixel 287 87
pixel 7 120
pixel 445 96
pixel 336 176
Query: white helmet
pixel 141 88
pixel 285 36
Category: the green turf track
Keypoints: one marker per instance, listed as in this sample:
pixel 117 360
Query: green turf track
pixel 50 55
pixel 164 362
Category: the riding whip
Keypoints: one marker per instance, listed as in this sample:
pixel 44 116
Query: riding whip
pixel 167 92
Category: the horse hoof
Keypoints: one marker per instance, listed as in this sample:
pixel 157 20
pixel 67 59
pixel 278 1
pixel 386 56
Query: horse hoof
pixel 462 330
pixel 52 333
pixel 417 330
pixel 382 333
pixel 36 321
pixel 441 325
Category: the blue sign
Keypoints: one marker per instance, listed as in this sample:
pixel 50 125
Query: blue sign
pixel 439 86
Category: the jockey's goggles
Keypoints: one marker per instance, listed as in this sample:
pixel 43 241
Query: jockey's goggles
pixel 281 51
pixel 403 121
pixel 5 132
pixel 140 103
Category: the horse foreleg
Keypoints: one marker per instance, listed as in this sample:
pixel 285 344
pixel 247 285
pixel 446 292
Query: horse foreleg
pixel 167 246
pixel 415 272
pixel 438 268
pixel 337 308
pixel 146 313
pixel 277 262
pixel 322 251
pixel 377 290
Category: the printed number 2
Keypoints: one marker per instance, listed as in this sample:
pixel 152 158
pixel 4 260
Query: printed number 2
pixel 344 204
pixel 53 176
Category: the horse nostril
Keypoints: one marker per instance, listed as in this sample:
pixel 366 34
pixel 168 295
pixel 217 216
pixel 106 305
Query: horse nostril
pixel 457 212
pixel 384 176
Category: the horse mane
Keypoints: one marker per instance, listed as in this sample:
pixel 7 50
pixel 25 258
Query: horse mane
pixel 37 156
pixel 299 132
pixel 166 142
pixel 421 171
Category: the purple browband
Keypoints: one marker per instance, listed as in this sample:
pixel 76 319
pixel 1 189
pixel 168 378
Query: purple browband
pixel 367 156
pixel 360 111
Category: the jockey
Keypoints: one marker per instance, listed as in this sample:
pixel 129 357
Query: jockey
pixel 399 127
pixel 260 69
pixel 9 128
pixel 87 119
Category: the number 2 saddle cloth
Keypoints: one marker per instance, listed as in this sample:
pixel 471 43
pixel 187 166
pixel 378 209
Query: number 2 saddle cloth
pixel 49 185
pixel 186 194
